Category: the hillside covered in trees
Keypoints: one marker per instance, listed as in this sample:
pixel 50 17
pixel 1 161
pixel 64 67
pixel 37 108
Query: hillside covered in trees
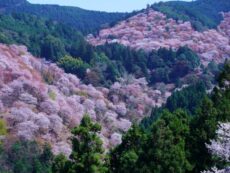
pixel 202 14
pixel 149 93
pixel 151 30
pixel 67 47
pixel 83 20
pixel 190 133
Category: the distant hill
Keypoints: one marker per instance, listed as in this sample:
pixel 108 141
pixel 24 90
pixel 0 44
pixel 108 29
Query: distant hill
pixel 202 14
pixel 85 21
pixel 44 38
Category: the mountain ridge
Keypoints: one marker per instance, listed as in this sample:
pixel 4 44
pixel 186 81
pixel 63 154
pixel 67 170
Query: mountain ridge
pixel 202 14
pixel 84 20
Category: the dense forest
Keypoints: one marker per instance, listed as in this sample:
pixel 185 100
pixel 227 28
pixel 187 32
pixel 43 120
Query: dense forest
pixel 189 133
pixel 83 20
pixel 177 140
pixel 67 47
pixel 200 13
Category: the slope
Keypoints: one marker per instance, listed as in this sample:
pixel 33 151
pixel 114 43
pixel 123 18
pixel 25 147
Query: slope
pixel 202 14
pixel 39 101
pixel 151 30
pixel 84 20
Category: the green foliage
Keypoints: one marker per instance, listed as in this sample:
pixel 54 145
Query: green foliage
pixel 87 155
pixel 73 65
pixel 53 48
pixel 83 20
pixel 165 65
pixel 221 96
pixel 59 43
pixel 188 99
pixel 3 129
pixel 167 144
pixel 43 38
pixel 148 121
pixel 52 40
pixel 203 128
pixel 169 66
pixel 201 13
pixel 224 76
pixel 47 39
pixel 126 59
pixel 52 95
pixel 26 157
pixel 176 142
pixel 125 156
pixel 106 70
pixel 60 164
pixel 161 150
pixel 3 132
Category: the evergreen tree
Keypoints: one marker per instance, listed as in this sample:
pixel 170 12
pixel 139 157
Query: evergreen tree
pixel 203 128
pixel 87 155
pixel 61 164
pixel 166 147
pixel 124 158
pixel 221 95
pixel 26 157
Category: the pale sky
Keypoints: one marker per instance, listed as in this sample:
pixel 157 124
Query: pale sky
pixel 102 5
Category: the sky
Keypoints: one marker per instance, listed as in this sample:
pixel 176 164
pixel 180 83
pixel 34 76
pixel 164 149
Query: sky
pixel 102 5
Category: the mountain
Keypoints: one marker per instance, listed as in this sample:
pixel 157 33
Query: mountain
pixel 40 104
pixel 106 64
pixel 202 14
pixel 83 20
pixel 152 30
pixel 156 86
pixel 44 38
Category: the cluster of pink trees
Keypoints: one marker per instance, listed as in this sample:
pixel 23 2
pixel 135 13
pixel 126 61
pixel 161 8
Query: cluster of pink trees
pixel 137 95
pixel 39 101
pixel 151 30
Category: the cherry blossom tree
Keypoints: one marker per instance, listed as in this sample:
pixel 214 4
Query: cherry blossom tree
pixel 221 147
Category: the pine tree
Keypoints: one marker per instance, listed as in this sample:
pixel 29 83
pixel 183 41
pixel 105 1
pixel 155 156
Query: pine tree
pixel 203 128
pixel 124 158
pixel 166 148
pixel 87 155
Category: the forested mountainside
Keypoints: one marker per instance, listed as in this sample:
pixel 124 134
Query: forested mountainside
pixel 39 100
pixel 40 104
pixel 85 21
pixel 149 94
pixel 67 47
pixel 44 38
pixel 151 30
pixel 202 14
